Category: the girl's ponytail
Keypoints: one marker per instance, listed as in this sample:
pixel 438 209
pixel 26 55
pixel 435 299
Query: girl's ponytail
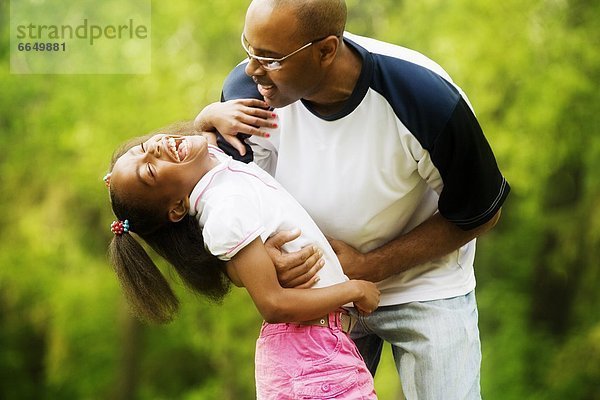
pixel 145 288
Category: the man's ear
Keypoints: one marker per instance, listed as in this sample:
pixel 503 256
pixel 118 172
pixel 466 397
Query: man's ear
pixel 179 210
pixel 328 48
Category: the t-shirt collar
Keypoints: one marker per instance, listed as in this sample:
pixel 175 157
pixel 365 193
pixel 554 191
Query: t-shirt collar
pixel 205 182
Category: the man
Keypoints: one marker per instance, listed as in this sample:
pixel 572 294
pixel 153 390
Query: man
pixel 385 153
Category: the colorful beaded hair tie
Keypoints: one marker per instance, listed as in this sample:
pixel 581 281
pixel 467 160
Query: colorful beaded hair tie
pixel 119 227
pixel 106 179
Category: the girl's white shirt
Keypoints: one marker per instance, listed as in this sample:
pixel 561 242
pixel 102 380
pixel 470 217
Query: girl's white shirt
pixel 235 203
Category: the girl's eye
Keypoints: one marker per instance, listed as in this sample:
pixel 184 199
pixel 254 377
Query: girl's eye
pixel 150 170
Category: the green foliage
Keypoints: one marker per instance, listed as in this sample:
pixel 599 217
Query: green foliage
pixel 531 70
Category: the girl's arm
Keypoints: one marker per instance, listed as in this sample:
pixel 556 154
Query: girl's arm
pixel 276 304
pixel 236 116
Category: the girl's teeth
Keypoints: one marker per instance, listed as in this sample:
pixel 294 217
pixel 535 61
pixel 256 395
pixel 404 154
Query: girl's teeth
pixel 173 148
pixel 182 150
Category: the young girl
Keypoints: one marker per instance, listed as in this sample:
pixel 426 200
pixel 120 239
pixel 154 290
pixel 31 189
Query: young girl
pixel 183 196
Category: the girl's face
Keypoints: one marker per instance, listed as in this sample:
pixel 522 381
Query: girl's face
pixel 162 171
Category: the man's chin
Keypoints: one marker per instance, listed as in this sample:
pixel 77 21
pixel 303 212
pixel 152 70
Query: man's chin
pixel 277 102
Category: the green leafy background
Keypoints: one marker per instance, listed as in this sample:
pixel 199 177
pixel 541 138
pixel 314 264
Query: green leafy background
pixel 531 69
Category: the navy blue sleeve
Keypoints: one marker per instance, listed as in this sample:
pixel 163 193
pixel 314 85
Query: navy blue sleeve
pixel 440 119
pixel 474 188
pixel 238 85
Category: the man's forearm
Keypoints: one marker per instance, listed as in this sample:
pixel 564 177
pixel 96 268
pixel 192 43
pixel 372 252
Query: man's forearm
pixel 433 239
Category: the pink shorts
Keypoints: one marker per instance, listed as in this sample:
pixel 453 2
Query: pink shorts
pixel 310 362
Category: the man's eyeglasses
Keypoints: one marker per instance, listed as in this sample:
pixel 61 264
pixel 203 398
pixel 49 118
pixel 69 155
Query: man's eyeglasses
pixel 270 63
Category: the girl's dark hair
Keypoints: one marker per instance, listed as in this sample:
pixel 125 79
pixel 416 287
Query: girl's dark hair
pixel 181 244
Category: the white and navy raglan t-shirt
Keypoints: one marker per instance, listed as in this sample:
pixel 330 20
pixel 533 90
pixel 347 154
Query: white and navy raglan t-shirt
pixel 405 146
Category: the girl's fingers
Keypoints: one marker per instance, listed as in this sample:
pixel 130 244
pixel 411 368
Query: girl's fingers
pixel 259 117
pixel 236 143
pixel 254 103
pixel 251 130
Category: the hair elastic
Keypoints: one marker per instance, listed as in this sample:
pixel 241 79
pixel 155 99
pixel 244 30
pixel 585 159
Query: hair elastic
pixel 106 179
pixel 119 227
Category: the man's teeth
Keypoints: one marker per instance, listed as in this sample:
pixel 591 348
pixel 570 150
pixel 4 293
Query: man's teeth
pixel 173 148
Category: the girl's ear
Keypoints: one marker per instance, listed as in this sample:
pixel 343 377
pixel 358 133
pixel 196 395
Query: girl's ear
pixel 179 210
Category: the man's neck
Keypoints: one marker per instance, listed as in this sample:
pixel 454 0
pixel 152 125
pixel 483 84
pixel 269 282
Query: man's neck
pixel 341 81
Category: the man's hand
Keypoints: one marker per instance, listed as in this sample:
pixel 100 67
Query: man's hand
pixel 354 263
pixel 298 269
